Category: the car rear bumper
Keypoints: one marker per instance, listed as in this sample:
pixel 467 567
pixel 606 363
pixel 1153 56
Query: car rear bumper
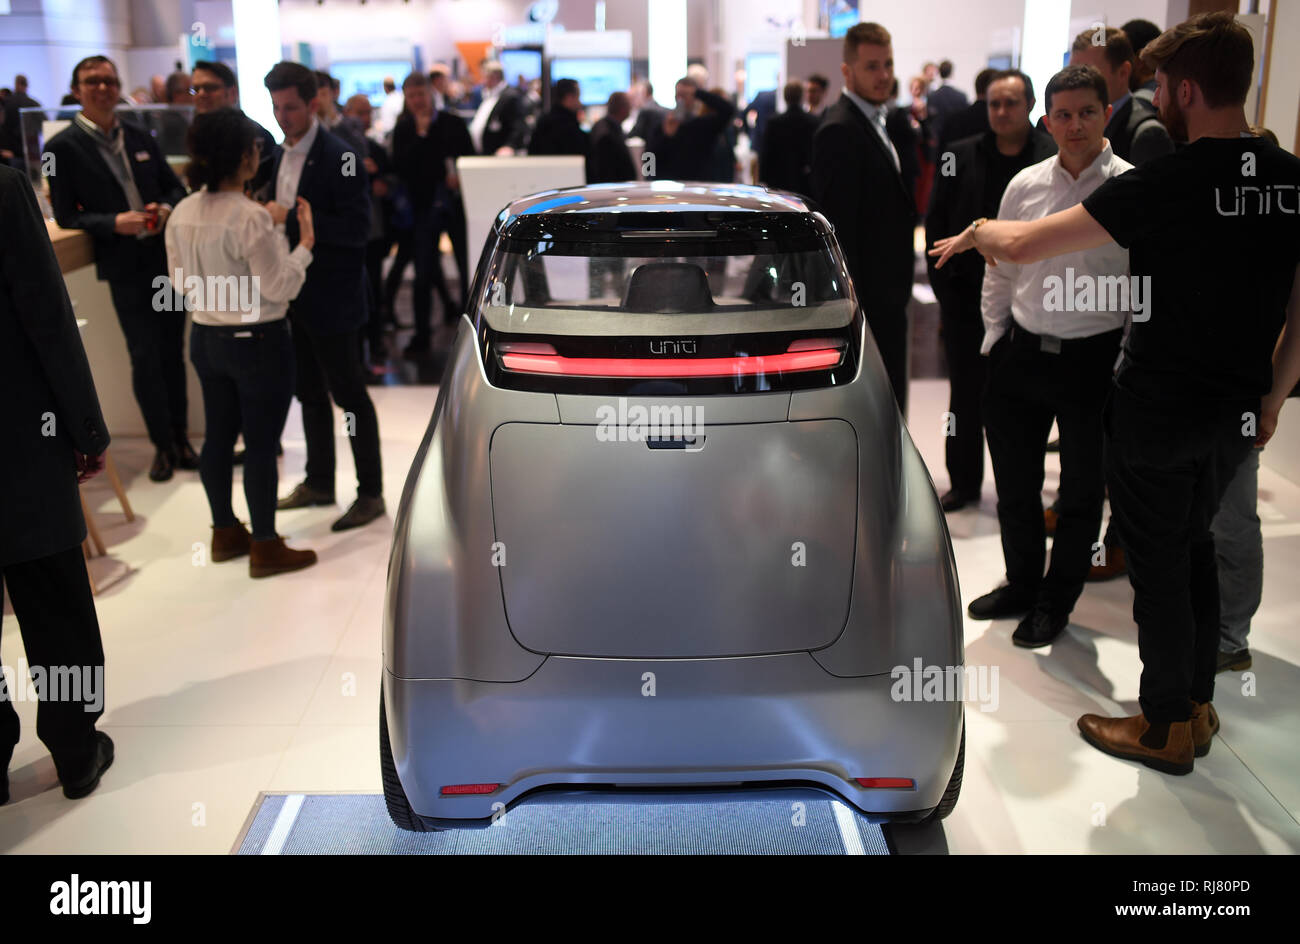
pixel 595 725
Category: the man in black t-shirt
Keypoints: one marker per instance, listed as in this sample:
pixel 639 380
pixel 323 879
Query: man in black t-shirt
pixel 1213 234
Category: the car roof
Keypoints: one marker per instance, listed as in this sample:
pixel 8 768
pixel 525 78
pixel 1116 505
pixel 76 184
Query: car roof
pixel 659 195
pixel 665 209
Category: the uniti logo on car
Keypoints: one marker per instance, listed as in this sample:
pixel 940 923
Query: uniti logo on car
pixel 76 897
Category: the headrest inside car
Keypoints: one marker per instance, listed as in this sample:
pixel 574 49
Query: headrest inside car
pixel 668 288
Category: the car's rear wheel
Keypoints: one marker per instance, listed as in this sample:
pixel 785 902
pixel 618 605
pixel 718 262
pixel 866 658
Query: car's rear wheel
pixel 949 799
pixel 399 808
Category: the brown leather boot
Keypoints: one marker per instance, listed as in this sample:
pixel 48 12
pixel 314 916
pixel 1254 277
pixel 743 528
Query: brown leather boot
pixel 230 542
pixel 1163 747
pixel 1205 725
pixel 1049 521
pixel 270 557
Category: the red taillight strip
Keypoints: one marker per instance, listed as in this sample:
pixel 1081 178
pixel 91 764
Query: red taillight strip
pixel 896 783
pixel 469 789
pixel 788 362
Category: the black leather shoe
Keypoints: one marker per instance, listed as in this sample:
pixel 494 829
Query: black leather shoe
pixel 186 457
pixel 102 760
pixel 954 500
pixel 1002 603
pixel 363 511
pixel 303 497
pixel 1039 628
pixel 163 466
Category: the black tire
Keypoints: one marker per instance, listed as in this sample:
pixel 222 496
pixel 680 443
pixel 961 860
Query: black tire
pixel 949 799
pixel 399 808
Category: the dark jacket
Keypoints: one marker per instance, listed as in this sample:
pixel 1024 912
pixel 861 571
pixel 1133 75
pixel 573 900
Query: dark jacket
pixel 266 166
pixel 558 132
pixel 454 133
pixel 764 108
pixel 907 142
pixel 50 407
pixel 610 160
pixel 507 125
pixel 956 201
pixel 1136 133
pixel 692 153
pixel 942 104
pixel 785 162
pixel 973 119
pixel 420 161
pixel 86 195
pixel 333 299
pixel 650 117
pixel 873 211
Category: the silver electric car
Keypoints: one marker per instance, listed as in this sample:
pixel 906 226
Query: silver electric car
pixel 666 532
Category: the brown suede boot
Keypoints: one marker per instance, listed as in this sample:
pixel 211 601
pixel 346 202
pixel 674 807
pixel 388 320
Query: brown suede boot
pixel 1115 566
pixel 230 542
pixel 1205 725
pixel 1163 747
pixel 270 557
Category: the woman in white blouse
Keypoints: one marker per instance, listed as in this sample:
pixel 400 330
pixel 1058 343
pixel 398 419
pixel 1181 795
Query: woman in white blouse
pixel 237 275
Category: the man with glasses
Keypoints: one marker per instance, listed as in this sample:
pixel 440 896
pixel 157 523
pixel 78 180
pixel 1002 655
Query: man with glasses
pixel 215 86
pixel 110 179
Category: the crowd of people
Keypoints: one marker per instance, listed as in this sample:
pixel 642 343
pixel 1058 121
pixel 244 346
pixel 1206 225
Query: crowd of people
pixel 1157 396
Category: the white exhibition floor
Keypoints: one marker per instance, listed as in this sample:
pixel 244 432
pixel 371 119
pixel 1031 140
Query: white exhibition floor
pixel 220 686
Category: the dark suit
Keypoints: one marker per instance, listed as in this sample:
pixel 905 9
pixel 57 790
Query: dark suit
pixel 1135 133
pixel 692 153
pixel 86 195
pixel 973 119
pixel 650 117
pixel 456 142
pixel 968 194
pixel 943 103
pixel 50 411
pixel 610 160
pixel 331 309
pixel 558 132
pixel 874 213
pixel 764 108
pixel 785 161
pixel 507 124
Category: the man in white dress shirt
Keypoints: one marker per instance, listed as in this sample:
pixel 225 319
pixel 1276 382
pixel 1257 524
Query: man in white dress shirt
pixel 1052 335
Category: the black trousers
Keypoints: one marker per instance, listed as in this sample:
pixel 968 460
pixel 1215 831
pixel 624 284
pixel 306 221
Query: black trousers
pixel 428 272
pixel 56 615
pixel 1027 388
pixel 247 374
pixel 1168 464
pixel 963 333
pixel 329 366
pixel 376 252
pixel 889 329
pixel 458 234
pixel 155 341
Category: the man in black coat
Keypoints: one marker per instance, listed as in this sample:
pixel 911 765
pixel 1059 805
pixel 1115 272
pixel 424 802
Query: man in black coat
pixel 649 116
pixel 330 310
pixel 1134 130
pixel 981 167
pixel 215 86
pixel 54 437
pixel 110 179
pixel 974 118
pixel 610 160
pixel 558 131
pixel 785 161
pixel 502 117
pixel 856 179
pixel 685 145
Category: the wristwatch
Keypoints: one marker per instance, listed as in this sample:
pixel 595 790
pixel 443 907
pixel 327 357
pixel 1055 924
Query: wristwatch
pixel 974 228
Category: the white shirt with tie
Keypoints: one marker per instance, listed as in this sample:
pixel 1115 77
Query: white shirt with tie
pixel 876 115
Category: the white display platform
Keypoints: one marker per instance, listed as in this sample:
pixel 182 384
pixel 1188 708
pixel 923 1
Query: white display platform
pixel 489 184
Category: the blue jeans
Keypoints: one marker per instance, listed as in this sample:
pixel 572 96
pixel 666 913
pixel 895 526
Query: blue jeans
pixel 1239 549
pixel 247 376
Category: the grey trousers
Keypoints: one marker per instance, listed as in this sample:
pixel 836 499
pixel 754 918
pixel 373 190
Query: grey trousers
pixel 1239 550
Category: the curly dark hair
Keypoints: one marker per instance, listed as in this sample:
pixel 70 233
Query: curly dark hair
pixel 218 142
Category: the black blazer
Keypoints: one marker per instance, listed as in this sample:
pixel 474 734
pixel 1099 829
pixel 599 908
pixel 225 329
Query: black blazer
pixel 873 211
pixel 943 103
pixel 506 126
pixel 957 200
pixel 610 160
pixel 45 385
pixel 1136 134
pixel 86 195
pixel 558 132
pixel 785 161
pixel 973 119
pixel 333 299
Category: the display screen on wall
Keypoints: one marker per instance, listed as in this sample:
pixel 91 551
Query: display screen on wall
pixel 762 73
pixel 517 62
pixel 598 78
pixel 839 15
pixel 367 78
